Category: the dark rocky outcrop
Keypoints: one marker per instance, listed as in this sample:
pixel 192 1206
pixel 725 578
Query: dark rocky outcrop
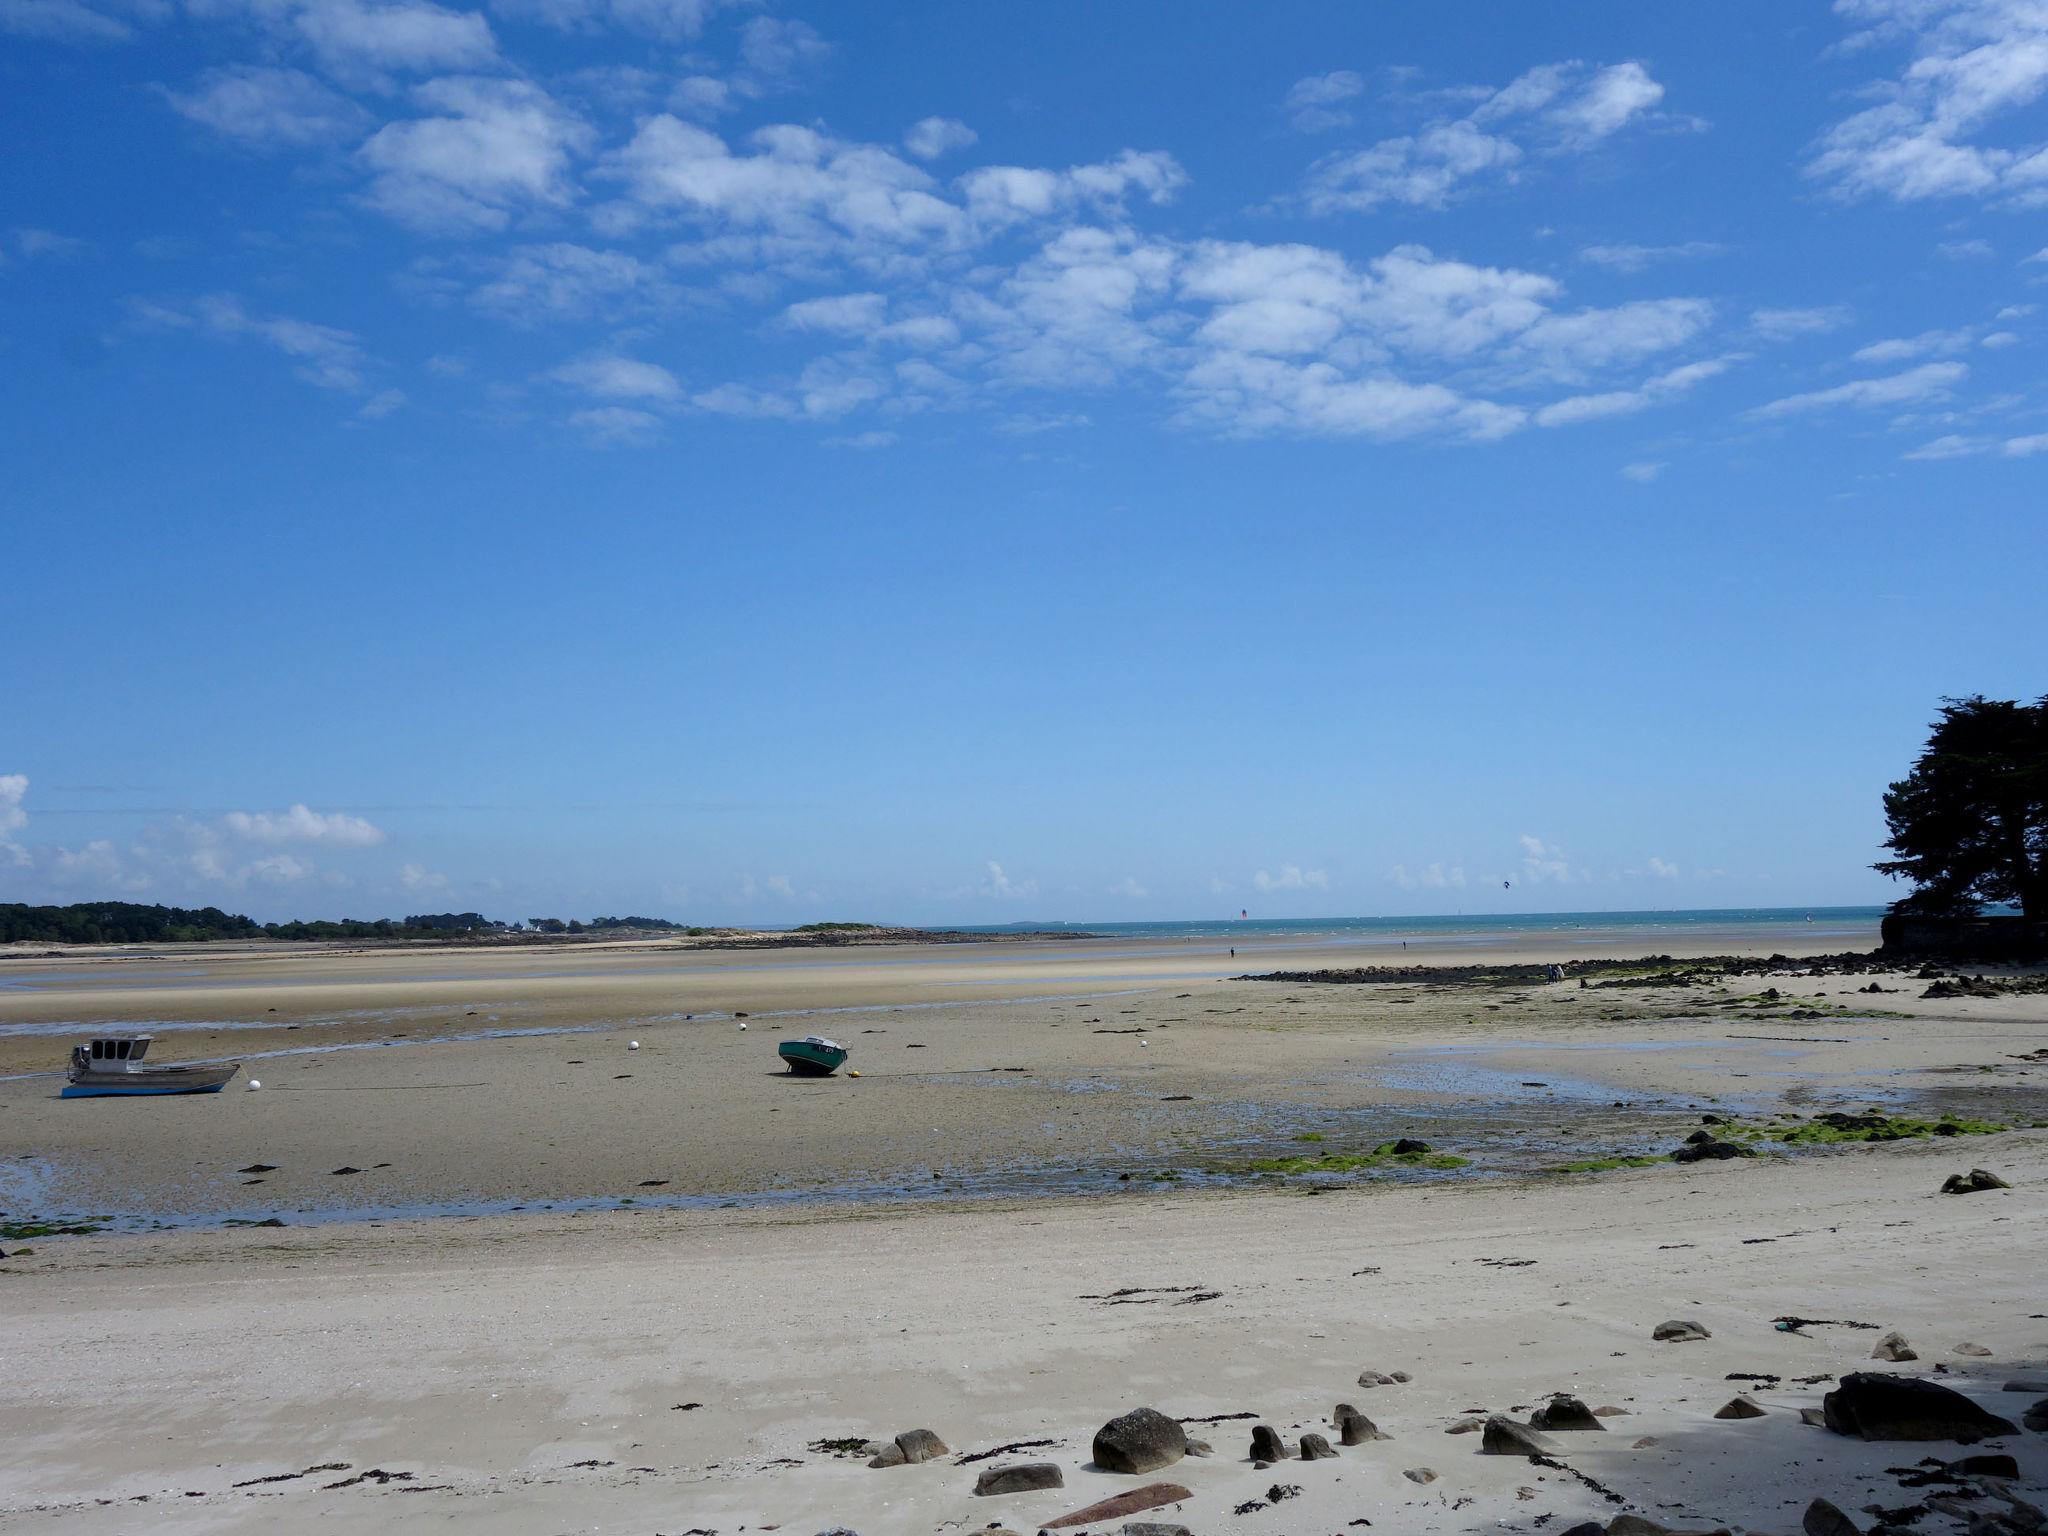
pixel 1315 1448
pixel 1711 1151
pixel 1142 1440
pixel 1872 1406
pixel 1267 1444
pixel 1739 1408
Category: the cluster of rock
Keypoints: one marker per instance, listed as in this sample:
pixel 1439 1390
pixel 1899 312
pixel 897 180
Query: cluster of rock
pixel 1866 1405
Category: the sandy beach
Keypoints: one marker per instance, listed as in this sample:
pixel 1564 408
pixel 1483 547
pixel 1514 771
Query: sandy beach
pixel 573 1286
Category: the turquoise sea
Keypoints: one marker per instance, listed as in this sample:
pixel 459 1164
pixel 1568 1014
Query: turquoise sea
pixel 1854 926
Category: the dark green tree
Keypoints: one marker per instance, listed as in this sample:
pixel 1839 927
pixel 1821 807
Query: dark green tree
pixel 1970 822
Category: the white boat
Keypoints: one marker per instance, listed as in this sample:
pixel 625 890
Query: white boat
pixel 112 1066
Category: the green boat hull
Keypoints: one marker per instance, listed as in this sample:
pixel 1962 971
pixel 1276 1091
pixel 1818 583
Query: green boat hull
pixel 811 1059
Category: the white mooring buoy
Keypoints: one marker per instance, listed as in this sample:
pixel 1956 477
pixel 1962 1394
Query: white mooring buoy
pixel 254 1085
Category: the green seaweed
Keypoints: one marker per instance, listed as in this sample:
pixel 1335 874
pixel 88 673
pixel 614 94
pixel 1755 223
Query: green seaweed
pixel 14 1231
pixel 1381 1156
pixel 1604 1164
pixel 1829 1129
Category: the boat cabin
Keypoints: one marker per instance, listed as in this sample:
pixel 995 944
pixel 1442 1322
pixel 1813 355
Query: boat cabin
pixel 113 1053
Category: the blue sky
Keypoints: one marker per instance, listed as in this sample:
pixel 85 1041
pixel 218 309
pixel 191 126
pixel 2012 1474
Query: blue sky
pixel 976 463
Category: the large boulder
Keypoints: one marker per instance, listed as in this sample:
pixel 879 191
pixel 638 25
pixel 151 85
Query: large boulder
pixel 1135 1501
pixel 1315 1448
pixel 1504 1437
pixel 1019 1477
pixel 1564 1412
pixel 1142 1440
pixel 1874 1406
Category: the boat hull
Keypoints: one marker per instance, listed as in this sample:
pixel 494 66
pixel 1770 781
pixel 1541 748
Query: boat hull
pixel 807 1060
pixel 152 1084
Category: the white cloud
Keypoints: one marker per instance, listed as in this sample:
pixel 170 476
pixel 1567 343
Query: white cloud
pixel 1610 100
pixel 1663 869
pixel 612 377
pixel 380 405
pixel 936 136
pixel 1950 446
pixel 1957 446
pixel 1421 171
pixel 1621 402
pixel 13 790
pixel 301 825
pixel 1787 324
pixel 362 44
pixel 495 147
pixel 667 20
pixel 1315 104
pixel 1634 258
pixel 266 108
pixel 702 96
pixel 780 50
pixel 71 21
pixel 1965 250
pixel 1291 877
pixel 1129 888
pixel 417 877
pixel 1975 62
pixel 1926 344
pixel 816 196
pixel 1541 861
pixel 614 426
pixel 1435 876
pixel 1551 110
pixel 1928 381
pixel 863 442
pixel 536 284
pixel 1001 887
pixel 1644 471
pixel 322 355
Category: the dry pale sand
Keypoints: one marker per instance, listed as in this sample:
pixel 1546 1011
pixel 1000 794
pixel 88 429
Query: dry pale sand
pixel 524 1376
pixel 488 1356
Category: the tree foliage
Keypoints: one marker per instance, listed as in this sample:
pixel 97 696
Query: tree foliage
pixel 1970 822
pixel 128 922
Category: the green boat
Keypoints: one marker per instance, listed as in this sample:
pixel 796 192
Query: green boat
pixel 812 1056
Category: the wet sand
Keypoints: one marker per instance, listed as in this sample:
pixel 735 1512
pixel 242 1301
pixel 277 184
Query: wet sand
pixel 486 1080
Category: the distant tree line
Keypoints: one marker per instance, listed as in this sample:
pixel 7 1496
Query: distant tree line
pixel 128 922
